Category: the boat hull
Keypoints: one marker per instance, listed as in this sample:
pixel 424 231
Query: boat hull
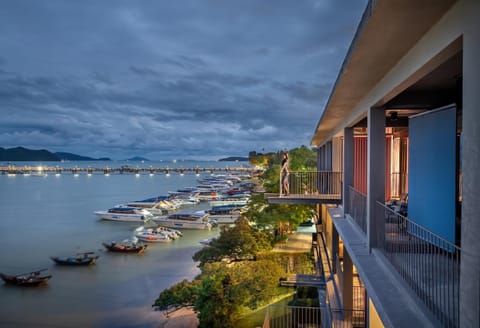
pixel 150 238
pixel 179 224
pixel 25 281
pixel 74 261
pixel 104 215
pixel 119 248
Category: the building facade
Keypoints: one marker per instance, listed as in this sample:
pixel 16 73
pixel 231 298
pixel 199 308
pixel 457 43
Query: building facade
pixel 401 130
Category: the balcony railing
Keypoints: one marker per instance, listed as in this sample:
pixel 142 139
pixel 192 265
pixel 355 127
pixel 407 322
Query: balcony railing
pixel 315 184
pixel 292 316
pixel 427 262
pixel 348 318
pixel 357 207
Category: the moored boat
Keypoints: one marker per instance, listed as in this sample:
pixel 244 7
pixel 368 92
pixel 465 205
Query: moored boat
pixel 185 220
pixel 80 259
pixel 125 214
pixel 30 279
pixel 125 247
pixel 225 214
pixel 153 235
pixel 154 231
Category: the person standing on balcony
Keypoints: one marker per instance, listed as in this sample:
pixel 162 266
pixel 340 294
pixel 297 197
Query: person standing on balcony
pixel 284 174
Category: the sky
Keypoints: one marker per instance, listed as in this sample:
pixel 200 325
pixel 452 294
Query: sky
pixel 162 79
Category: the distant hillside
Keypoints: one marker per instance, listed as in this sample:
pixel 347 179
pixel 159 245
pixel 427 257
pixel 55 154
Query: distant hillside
pixel 73 157
pixel 24 154
pixel 234 159
pixel 31 155
pixel 138 159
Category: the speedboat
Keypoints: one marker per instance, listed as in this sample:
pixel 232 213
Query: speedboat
pixel 124 213
pixel 225 214
pixel 153 235
pixel 150 227
pixel 185 220
pixel 231 202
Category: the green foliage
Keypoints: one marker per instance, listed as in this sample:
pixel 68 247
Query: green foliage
pixel 283 217
pixel 182 294
pixel 302 159
pixel 237 243
pixel 217 302
pixel 225 289
pixel 305 296
pixel 260 282
pixel 291 263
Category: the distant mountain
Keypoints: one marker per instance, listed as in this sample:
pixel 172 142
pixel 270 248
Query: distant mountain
pixel 138 159
pixel 234 159
pixel 24 154
pixel 31 155
pixel 73 157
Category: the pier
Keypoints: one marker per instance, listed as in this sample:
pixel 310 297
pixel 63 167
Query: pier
pixel 123 170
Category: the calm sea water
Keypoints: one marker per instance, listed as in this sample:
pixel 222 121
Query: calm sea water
pixel 53 215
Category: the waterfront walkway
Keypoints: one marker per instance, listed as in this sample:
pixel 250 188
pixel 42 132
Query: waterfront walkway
pixel 298 242
pixel 121 170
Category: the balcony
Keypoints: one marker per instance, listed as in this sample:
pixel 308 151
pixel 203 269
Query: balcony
pixel 310 187
pixel 429 264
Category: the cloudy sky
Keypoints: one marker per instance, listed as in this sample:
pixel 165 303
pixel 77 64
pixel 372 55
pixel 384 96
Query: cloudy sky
pixel 184 79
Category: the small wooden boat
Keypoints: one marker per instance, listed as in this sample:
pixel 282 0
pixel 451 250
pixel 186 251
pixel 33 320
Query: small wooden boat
pixel 81 259
pixel 30 279
pixel 125 248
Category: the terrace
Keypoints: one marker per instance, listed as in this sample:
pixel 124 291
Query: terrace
pixel 310 187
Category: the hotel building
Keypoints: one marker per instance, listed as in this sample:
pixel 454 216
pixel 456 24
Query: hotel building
pixel 397 185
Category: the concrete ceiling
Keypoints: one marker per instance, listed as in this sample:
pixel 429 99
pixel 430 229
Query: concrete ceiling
pixel 387 31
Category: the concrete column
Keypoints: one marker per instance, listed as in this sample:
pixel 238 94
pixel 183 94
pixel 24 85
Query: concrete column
pixel 470 260
pixel 375 175
pixel 347 165
pixel 319 158
pixel 335 249
pixel 328 156
pixel 347 281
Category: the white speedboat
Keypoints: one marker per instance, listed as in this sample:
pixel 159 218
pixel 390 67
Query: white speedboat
pixel 230 202
pixel 150 227
pixel 225 214
pixel 153 235
pixel 208 195
pixel 185 220
pixel 125 214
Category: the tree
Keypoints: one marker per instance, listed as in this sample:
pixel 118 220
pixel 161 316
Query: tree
pixel 283 217
pixel 179 295
pixel 238 243
pixel 302 159
pixel 217 303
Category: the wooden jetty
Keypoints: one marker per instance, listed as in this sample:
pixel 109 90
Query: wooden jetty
pixel 122 170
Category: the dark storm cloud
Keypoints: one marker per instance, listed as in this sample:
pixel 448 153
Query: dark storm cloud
pixel 163 79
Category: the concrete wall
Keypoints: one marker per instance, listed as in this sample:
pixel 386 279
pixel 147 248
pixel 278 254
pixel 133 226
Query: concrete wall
pixel 470 157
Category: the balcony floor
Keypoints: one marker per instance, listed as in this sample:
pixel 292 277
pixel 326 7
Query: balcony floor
pixel 275 198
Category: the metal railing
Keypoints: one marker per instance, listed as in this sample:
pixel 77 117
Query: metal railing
pixel 427 262
pixel 357 207
pixel 359 298
pixel 292 316
pixel 314 183
pixel 348 318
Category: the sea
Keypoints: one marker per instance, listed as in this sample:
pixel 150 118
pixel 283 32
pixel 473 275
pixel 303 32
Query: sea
pixel 43 216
